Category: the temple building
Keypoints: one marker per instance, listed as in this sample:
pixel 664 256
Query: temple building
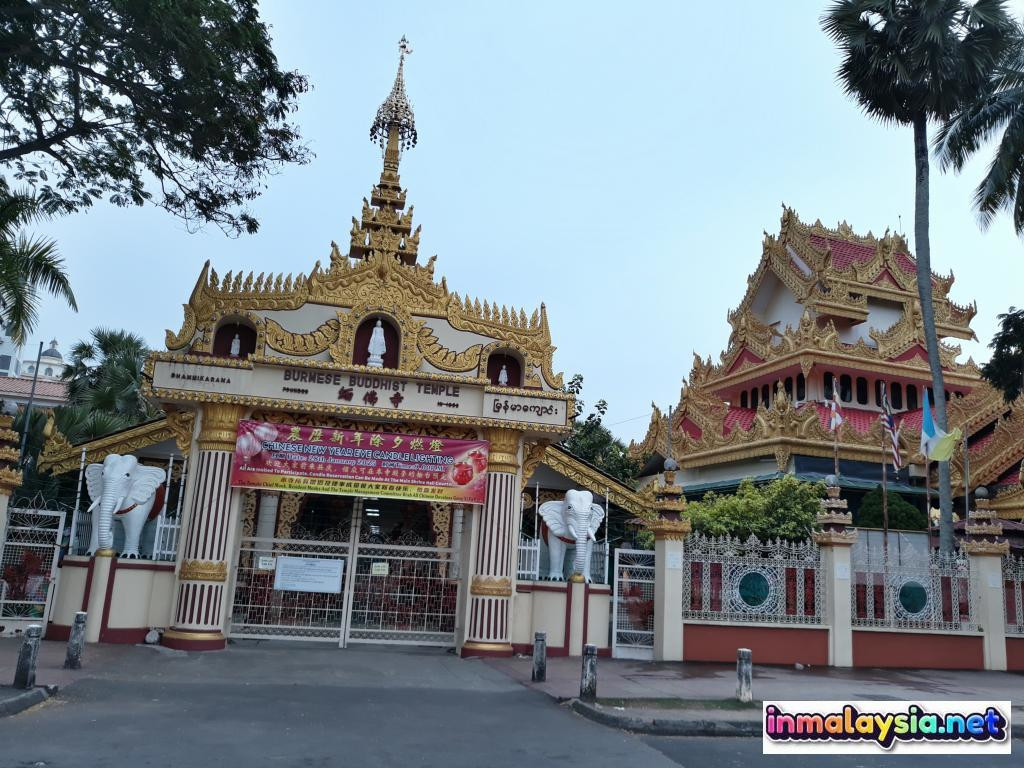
pixel 366 452
pixel 827 310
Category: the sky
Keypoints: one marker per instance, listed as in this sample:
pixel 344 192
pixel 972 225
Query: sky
pixel 618 162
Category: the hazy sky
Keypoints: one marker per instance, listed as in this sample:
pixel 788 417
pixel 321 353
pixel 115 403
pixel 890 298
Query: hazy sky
pixel 618 162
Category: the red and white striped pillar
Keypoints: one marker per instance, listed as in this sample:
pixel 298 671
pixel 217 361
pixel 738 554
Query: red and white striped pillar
pixel 497 537
pixel 203 550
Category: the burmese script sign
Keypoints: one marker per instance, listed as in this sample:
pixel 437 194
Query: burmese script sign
pixel 361 390
pixel 347 462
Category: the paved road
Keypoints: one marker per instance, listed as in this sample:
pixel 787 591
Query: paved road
pixel 309 707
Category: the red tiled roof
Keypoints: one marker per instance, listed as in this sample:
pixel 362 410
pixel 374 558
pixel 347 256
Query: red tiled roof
pixel 741 417
pixel 858 419
pixel 1009 480
pixel 976 446
pixel 845 254
pixel 17 385
pixel 910 419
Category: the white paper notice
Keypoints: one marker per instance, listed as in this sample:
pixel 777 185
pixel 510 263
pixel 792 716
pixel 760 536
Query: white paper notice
pixel 265 563
pixel 674 561
pixel 380 568
pixel 308 574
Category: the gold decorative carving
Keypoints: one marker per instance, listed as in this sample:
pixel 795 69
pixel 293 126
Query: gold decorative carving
pixel 441 522
pixel 288 509
pixel 59 457
pixel 671 530
pixel 182 423
pixel 302 344
pixel 504 453
pixel 249 512
pixel 203 570
pixel 443 358
pixel 219 428
pixel 343 348
pixel 491 586
pixel 986 547
pixel 533 454
pixel 592 480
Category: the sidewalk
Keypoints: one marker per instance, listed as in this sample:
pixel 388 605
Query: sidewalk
pixel 671 698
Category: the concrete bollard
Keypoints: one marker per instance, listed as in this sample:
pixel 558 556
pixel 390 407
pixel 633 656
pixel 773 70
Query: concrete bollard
pixel 25 672
pixel 588 678
pixel 744 672
pixel 540 657
pixel 76 641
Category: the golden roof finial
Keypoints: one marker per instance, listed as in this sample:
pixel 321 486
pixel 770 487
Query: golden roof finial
pixel 394 127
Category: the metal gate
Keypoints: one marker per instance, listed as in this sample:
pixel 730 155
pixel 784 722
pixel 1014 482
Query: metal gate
pixel 396 590
pixel 29 549
pixel 633 604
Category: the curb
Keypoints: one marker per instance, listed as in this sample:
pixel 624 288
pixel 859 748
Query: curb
pixel 23 701
pixel 662 727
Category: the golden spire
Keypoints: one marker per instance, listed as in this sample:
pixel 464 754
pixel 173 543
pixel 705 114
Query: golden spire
pixel 394 127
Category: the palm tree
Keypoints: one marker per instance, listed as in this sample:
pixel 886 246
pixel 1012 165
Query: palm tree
pixel 104 376
pixel 27 265
pixel 908 62
pixel 999 108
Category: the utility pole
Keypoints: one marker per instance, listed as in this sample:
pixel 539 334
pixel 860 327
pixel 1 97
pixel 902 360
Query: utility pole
pixel 28 408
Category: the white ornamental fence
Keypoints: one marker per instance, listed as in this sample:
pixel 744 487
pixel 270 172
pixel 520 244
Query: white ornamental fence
pixel 726 579
pixel 633 604
pixel 922 590
pixel 533 560
pixel 29 553
pixel 1013 599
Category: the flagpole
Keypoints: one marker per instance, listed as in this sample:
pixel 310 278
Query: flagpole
pixel 967 480
pixel 928 497
pixel 835 451
pixel 885 501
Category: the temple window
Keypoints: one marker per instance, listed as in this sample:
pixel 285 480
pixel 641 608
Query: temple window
pixel 912 404
pixel 788 386
pixel 862 390
pixel 364 333
pixel 513 370
pixel 744 400
pixel 896 396
pixel 753 398
pixel 801 387
pixel 845 388
pixel 234 339
pixel 829 382
pixel 766 395
pixel 878 392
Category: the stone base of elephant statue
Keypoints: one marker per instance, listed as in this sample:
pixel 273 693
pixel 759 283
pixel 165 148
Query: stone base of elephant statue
pixel 572 521
pixel 122 489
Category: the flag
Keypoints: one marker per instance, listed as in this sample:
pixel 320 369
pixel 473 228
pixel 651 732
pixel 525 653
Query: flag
pixel 936 445
pixel 835 413
pixel 889 422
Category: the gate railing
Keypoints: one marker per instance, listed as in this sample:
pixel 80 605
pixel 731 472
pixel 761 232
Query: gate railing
pixel 633 604
pixel 726 579
pixel 1013 599
pixel 529 559
pixel 28 565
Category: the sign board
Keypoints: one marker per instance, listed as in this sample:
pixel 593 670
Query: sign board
pixel 309 574
pixel 354 390
pixel 346 462
pixel 380 568
pixel 674 561
pixel 265 563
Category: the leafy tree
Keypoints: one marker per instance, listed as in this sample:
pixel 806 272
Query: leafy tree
pixel 903 516
pixel 1005 369
pixel 104 376
pixel 181 103
pixel 998 109
pixel 27 265
pixel 784 508
pixel 593 442
pixel 908 62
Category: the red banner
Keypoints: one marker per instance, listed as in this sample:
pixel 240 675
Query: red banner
pixel 349 462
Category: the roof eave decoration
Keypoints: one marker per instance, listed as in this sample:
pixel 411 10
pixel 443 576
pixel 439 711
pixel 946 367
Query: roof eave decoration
pixel 591 479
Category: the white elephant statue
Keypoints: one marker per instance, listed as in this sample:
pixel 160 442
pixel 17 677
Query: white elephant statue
pixel 572 521
pixel 125 490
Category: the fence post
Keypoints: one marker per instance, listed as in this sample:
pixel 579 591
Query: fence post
pixel 540 657
pixel 25 672
pixel 835 543
pixel 588 676
pixel 76 640
pixel 670 531
pixel 985 549
pixel 744 672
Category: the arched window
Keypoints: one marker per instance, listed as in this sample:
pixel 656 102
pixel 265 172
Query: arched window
pixel 845 388
pixel 829 382
pixel 5 362
pixel 878 392
pixel 48 372
pixel 862 390
pixel 912 404
pixel 754 397
pixel 801 387
pixel 788 386
pixel 896 395
pixel 766 395
pixel 224 340
pixel 31 369
pixel 512 368
pixel 744 399
pixel 361 350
